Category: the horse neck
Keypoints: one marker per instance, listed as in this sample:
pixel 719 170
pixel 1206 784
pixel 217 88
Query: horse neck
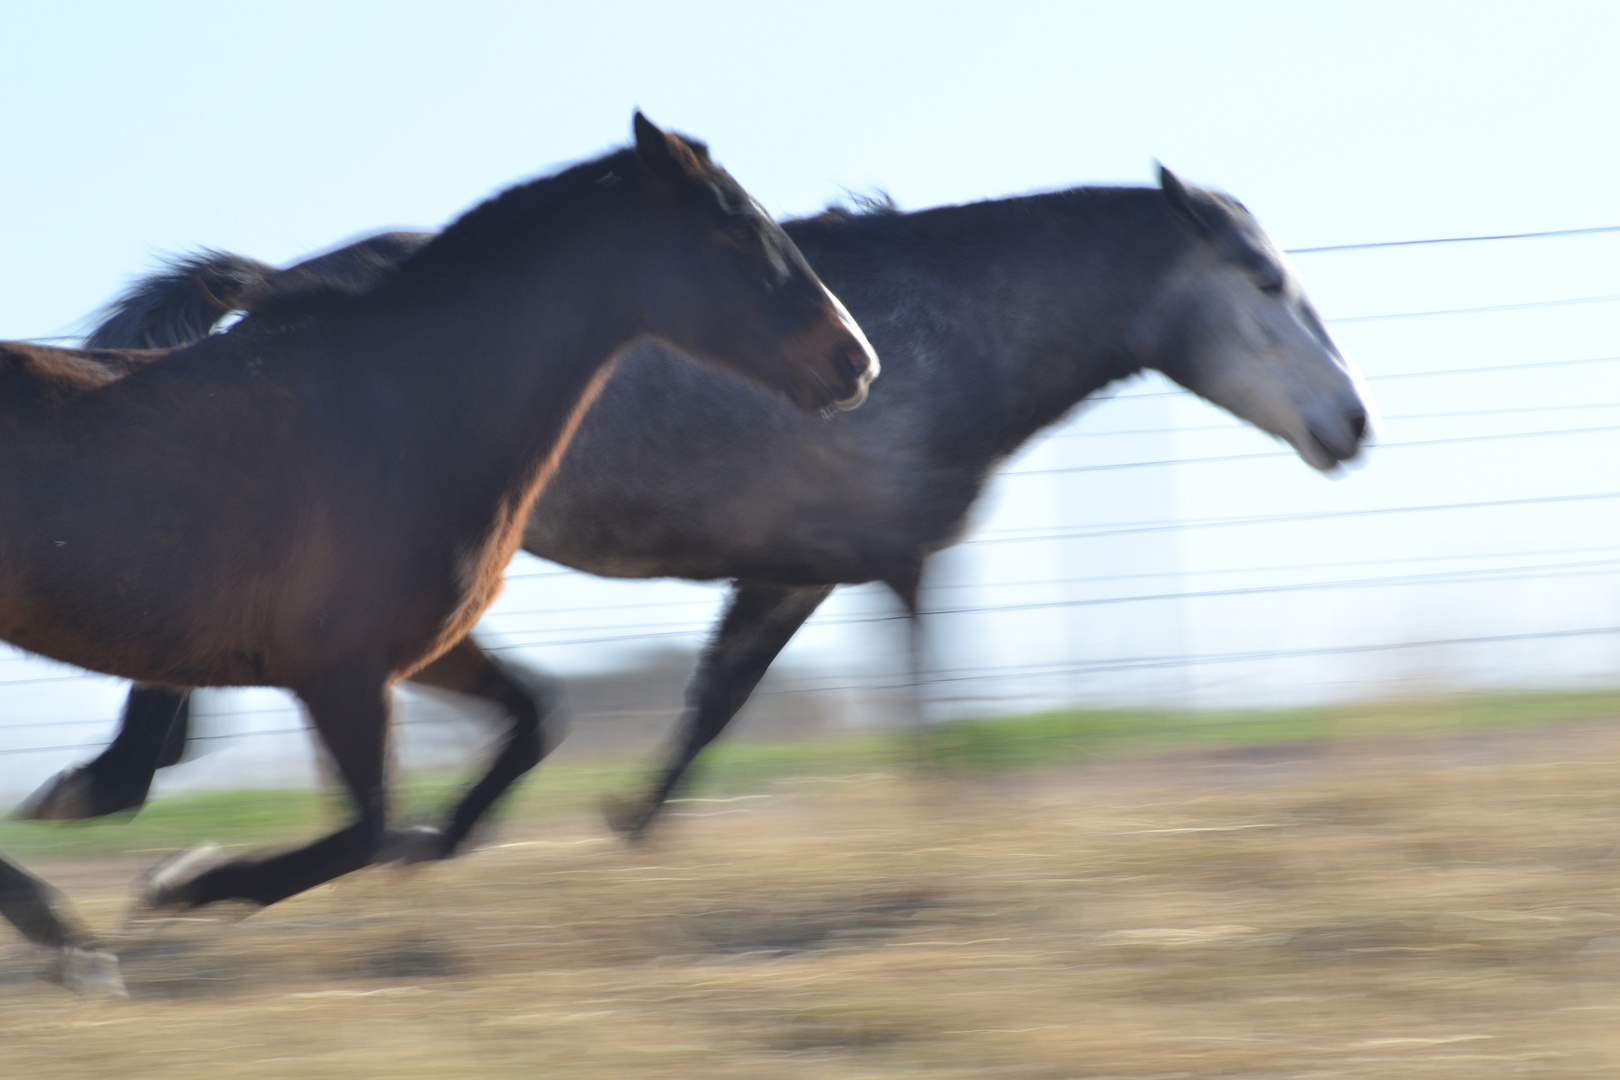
pixel 487 380
pixel 1009 312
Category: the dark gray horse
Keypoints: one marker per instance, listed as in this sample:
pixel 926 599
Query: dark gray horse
pixel 994 319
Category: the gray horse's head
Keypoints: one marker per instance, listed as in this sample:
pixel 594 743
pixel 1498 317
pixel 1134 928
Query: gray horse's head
pixel 1232 323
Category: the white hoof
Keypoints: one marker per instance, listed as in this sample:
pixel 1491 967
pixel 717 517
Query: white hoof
pixel 410 845
pixel 88 971
pixel 157 888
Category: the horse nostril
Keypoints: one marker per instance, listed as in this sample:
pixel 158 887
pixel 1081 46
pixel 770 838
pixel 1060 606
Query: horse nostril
pixel 1358 423
pixel 855 368
pixel 853 365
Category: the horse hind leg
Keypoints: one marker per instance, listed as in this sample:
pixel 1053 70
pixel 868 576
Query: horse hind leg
pixel 40 913
pixel 759 622
pixel 152 734
pixel 916 657
pixel 350 714
pixel 531 702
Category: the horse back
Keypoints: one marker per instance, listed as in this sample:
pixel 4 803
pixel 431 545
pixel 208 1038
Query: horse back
pixel 35 377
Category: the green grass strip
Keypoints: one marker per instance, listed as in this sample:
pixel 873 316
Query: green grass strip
pixel 1063 737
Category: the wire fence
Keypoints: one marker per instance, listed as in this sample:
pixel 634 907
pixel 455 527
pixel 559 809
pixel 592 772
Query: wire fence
pixel 1538 554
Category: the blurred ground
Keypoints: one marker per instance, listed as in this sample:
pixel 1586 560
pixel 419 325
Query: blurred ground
pixel 1442 905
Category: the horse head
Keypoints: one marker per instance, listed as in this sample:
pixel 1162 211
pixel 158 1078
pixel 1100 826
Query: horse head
pixel 734 292
pixel 1232 323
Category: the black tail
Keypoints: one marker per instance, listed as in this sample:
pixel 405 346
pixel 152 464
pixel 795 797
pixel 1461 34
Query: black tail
pixel 185 300
pixel 180 303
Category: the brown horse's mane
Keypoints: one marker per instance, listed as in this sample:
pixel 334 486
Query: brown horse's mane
pixel 513 217
pixel 515 220
pixel 489 234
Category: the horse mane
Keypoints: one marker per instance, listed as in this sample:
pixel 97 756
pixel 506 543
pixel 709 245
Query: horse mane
pixel 179 303
pixel 507 220
pixel 939 233
pixel 858 204
pixel 880 218
pixel 489 232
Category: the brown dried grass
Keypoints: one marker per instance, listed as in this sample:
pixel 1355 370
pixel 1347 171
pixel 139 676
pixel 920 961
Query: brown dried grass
pixel 1372 908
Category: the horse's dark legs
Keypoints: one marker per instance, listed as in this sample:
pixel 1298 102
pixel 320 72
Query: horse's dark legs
pixel 759 622
pixel 531 703
pixel 350 714
pixel 916 653
pixel 918 698
pixel 151 735
pixel 39 911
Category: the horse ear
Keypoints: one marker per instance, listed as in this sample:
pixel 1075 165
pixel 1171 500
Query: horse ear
pixel 660 151
pixel 1180 198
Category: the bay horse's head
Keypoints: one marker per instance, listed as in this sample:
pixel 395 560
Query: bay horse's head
pixel 1232 323
pixel 733 291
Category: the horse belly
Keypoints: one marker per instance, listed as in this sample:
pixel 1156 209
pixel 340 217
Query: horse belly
pixel 678 473
pixel 697 546
pixel 234 611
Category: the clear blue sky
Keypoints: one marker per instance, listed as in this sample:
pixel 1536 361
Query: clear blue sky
pixel 278 128
pixel 133 129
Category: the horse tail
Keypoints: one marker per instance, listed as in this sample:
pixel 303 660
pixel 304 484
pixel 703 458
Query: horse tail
pixel 185 300
pixel 180 303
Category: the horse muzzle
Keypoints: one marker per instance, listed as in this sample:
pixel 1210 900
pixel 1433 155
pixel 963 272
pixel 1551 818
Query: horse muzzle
pixel 856 368
pixel 1331 438
pixel 856 363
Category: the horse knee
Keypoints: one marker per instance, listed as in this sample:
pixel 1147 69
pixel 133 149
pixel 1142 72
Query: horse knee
pixel 528 746
pixel 539 714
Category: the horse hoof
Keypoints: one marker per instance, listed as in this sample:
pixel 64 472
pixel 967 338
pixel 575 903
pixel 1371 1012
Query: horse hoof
pixel 74 794
pixel 87 971
pixel 67 796
pixel 412 844
pixel 168 883
pixel 627 818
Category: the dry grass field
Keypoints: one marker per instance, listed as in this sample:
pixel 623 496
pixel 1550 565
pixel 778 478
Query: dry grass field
pixel 1445 905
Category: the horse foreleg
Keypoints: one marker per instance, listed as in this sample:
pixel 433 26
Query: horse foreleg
pixel 350 714
pixel 531 702
pixel 39 911
pixel 759 622
pixel 151 734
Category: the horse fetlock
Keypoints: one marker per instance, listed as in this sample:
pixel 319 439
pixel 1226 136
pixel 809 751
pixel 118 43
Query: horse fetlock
pixel 74 794
pixel 629 818
pixel 410 844
pixel 87 971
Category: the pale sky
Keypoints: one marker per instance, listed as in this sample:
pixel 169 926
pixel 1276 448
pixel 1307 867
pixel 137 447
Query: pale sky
pixel 277 129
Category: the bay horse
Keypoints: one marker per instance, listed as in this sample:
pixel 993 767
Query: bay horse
pixel 994 320
pixel 324 499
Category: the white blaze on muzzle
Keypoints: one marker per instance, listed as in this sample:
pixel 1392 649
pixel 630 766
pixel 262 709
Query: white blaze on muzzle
pixel 873 366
